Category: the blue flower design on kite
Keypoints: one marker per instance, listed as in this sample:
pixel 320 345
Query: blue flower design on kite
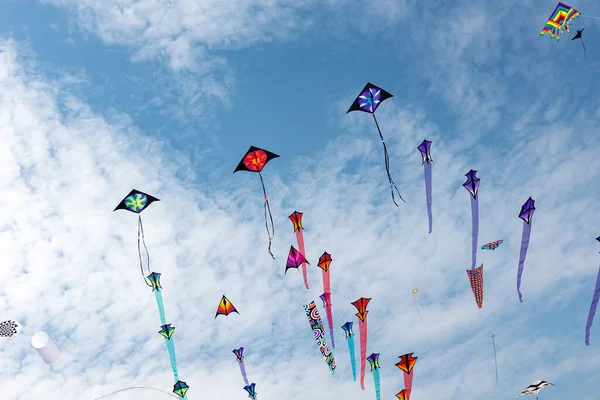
pixel 136 202
pixel 370 99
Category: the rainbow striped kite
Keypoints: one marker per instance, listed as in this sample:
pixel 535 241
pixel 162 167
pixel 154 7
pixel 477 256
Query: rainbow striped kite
pixel 559 20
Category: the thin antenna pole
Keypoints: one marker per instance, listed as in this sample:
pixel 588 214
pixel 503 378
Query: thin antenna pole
pixel 495 361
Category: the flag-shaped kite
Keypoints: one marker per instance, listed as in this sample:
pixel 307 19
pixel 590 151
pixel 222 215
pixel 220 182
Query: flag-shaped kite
pixel 367 101
pixel 373 360
pixel 559 20
pixel 526 215
pixel 361 306
pixel 324 263
pixel 347 327
pixel 312 313
pixel 425 149
pixel 254 161
pixel 296 219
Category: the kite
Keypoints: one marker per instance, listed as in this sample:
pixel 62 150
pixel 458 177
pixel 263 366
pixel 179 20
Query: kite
pixel 225 307
pixel 312 313
pixel 472 185
pixel 294 260
pixel 535 387
pixel 476 281
pixel 526 215
pixel 367 101
pixel 324 263
pixel 347 327
pixel 240 359
pixel 593 307
pixel 559 20
pixel 578 36
pixel 180 388
pixel 251 389
pixel 414 292
pixel 136 202
pixel 402 395
pixel 406 364
pixel 495 361
pixel 492 245
pixel 134 388
pixel 373 359
pixel 46 347
pixel 254 161
pixel 296 219
pixel 9 328
pixel 361 306
pixel 425 149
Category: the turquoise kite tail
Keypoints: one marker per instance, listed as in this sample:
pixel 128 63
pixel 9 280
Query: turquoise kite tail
pixel 377 385
pixel 352 357
pixel 161 306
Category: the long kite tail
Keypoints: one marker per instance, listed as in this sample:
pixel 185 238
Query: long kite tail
pixel 523 255
pixel 593 307
pixel 584 49
pixel 141 240
pixel 330 320
pixel 387 164
pixel 474 229
pixel 243 370
pixel 363 351
pixel 169 342
pixel 352 356
pixel 300 238
pixel 377 384
pixel 267 207
pixel 428 192
pixel 408 378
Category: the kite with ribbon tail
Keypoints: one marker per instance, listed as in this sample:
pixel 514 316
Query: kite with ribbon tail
pixel 136 202
pixel 347 327
pixel 373 360
pixel 593 307
pixel 526 215
pixel 250 388
pixel 324 263
pixel 312 313
pixel 254 161
pixel 406 364
pixel 296 218
pixel 475 274
pixel 425 149
pixel 361 306
pixel 578 36
pixel 367 101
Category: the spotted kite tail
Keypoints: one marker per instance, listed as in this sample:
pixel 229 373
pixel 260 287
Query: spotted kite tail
pixel 592 312
pixel 523 255
pixel 267 207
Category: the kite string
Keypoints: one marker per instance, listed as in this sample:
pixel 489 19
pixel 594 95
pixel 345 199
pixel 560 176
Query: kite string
pixel 136 387
pixel 589 16
pixel 495 361
pixel 387 164
pixel 419 311
pixel 143 240
pixel 267 207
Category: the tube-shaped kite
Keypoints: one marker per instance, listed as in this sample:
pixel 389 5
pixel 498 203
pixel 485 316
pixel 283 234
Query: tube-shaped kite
pixel 476 281
pixel 406 364
pixel 312 313
pixel 324 263
pixel 367 101
pixel 46 347
pixel 296 219
pixel 425 149
pixel 373 360
pixel 254 161
pixel 472 186
pixel 180 388
pixel 593 307
pixel 361 306
pixel 526 215
pixel 347 327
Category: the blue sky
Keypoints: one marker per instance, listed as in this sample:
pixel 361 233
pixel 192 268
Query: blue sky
pixel 97 97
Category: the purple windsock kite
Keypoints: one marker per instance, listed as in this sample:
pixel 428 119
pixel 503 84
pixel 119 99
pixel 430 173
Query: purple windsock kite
pixel 240 360
pixel 526 215
pixel 472 185
pixel 593 306
pixel 425 149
